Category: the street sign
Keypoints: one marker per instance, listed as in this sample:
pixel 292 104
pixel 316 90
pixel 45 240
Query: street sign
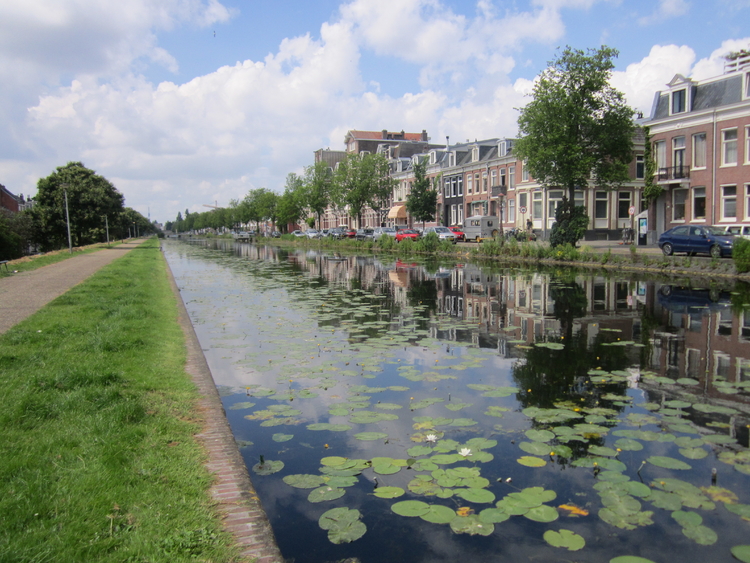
pixel 631 211
pixel 523 209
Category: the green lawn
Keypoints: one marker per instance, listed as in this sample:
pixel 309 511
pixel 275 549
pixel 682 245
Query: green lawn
pixel 97 456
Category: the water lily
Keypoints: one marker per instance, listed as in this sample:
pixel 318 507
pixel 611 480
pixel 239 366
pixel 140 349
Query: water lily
pixel 430 438
pixel 464 452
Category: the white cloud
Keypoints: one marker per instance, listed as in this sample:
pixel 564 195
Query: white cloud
pixel 666 9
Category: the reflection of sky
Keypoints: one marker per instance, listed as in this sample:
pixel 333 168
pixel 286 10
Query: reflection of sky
pixel 259 325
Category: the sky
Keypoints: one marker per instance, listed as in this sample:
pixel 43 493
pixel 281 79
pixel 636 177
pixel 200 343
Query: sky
pixel 188 103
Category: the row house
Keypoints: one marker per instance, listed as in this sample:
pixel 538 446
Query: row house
pixel 700 135
pixel 485 178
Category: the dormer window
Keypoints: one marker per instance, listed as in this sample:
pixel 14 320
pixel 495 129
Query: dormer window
pixel 452 159
pixel 433 157
pixel 747 85
pixel 503 148
pixel 679 101
pixel 475 154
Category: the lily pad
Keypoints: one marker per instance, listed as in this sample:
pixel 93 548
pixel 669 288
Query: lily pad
pixel 471 525
pixel 411 508
pixel 268 467
pixel 353 530
pixel 535 448
pixel 701 534
pixel 741 552
pixel 304 481
pixel 388 492
pixel 540 435
pixel 630 559
pixel 668 462
pixel 324 493
pixel 282 437
pixel 475 495
pixel 370 436
pixel 531 461
pixel 543 513
pixel 564 538
pixel 493 515
pixel 438 514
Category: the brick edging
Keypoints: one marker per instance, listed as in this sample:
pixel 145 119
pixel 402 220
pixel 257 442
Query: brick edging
pixel 233 493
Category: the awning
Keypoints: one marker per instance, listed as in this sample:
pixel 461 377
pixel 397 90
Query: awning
pixel 397 212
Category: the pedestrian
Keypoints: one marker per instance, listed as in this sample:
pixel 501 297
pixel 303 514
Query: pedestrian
pixel 529 224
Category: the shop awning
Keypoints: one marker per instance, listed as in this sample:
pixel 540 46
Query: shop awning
pixel 397 212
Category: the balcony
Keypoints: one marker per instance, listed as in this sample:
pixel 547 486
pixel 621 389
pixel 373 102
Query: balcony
pixel 673 173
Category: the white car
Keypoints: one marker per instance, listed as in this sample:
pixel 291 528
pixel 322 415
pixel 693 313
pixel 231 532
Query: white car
pixel 312 233
pixel 443 233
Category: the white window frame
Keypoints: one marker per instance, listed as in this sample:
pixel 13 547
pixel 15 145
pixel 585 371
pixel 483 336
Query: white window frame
pixel 695 195
pixel 601 196
pixel 699 149
pixel 511 210
pixel 511 177
pixel 484 182
pixel 726 199
pixel 460 182
pixel 728 145
pixel 660 155
pixel 474 154
pixel 470 184
pixel 683 192
pixel 747 144
pixel 640 167
pixel 672 109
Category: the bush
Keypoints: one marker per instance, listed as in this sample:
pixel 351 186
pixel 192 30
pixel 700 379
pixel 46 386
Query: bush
pixel 741 255
pixel 570 224
pixel 491 247
pixel 429 243
pixel 406 247
pixel 386 242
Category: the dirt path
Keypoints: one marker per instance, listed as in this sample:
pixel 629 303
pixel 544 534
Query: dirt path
pixel 23 294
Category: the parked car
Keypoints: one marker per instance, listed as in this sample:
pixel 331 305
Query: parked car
pixel 738 230
pixel 336 232
pixel 460 236
pixel 443 233
pixel 312 233
pixel 298 233
pixel 350 233
pixel 696 240
pixel 276 234
pixel 380 231
pixel 406 233
pixel 365 234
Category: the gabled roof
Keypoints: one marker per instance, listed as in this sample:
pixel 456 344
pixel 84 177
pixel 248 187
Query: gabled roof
pixel 713 93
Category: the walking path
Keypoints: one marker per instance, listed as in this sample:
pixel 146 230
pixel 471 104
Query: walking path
pixel 23 294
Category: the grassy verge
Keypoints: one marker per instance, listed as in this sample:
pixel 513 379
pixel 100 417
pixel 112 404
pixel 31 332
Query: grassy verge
pixel 37 261
pixel 97 456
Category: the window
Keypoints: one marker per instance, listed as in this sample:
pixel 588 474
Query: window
pixel 454 186
pixel 476 183
pixel 678 101
pixel 454 214
pixel 660 153
pixel 484 182
pixel 523 200
pixel 554 199
pixel 537 205
pixel 460 182
pixel 623 205
pixel 469 184
pixel 640 167
pixel 600 207
pixel 679 196
pixel 729 202
pixel 729 147
pixel 511 177
pixel 678 157
pixel 747 200
pixel 699 150
pixel 502 176
pixel 452 159
pixel 474 154
pixel 699 203
pixel 460 215
pixel 447 187
pixel 747 144
pixel 494 177
pixel 511 210
pixel 524 172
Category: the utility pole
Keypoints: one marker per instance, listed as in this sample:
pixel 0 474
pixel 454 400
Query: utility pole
pixel 106 222
pixel 67 217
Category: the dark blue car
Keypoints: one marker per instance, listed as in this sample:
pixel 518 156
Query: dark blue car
pixel 696 240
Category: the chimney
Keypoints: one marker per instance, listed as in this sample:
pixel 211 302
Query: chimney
pixel 424 136
pixel 385 133
pixel 447 143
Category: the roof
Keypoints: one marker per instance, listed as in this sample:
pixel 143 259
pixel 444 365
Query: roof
pixel 713 93
pixel 384 135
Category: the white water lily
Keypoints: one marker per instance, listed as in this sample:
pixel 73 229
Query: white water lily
pixel 430 438
pixel 465 452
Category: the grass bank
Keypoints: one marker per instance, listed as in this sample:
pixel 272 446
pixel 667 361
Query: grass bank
pixel 97 456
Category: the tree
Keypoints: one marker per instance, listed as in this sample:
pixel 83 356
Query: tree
pixel 290 205
pixel 361 181
pixel 422 199
pixel 90 197
pixel 576 128
pixel 317 190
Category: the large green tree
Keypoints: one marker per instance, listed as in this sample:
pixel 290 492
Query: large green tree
pixel 90 198
pixel 576 129
pixel 317 191
pixel 361 181
pixel 422 199
pixel 291 204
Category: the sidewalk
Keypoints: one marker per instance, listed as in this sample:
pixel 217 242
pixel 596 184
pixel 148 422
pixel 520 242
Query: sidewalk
pixel 23 294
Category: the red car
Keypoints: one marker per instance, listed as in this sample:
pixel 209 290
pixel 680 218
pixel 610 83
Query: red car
pixel 402 234
pixel 460 235
pixel 350 233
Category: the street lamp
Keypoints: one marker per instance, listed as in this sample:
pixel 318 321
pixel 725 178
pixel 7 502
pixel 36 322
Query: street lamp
pixel 67 217
pixel 106 222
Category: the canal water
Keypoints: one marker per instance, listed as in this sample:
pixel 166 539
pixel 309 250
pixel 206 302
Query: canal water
pixel 400 410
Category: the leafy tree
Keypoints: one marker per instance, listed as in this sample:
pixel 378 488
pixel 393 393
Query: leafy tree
pixel 422 200
pixel 361 181
pixel 317 188
pixel 577 127
pixel 90 198
pixel 291 205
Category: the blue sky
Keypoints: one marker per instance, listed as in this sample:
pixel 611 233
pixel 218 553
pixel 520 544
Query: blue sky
pixel 182 103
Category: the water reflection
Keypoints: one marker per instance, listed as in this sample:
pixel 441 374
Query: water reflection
pixel 598 367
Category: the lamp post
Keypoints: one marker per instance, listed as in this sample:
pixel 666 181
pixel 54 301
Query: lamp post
pixel 106 222
pixel 67 217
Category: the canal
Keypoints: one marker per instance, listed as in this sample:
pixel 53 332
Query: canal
pixel 402 410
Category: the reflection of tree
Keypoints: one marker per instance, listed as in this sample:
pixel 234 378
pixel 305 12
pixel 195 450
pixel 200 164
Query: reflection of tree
pixel 422 294
pixel 570 304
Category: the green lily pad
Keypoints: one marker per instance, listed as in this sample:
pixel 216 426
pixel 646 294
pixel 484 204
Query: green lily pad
pixel 630 559
pixel 242 405
pixel 602 451
pixel 282 437
pixel 700 534
pixel 628 445
pixel 333 461
pixel 329 426
pixel 388 406
pixel 388 492
pixel 351 531
pixel 268 467
pixel 668 462
pixel 411 508
pixel 531 461
pixel 446 459
pixel 438 514
pixel 481 444
pixel 564 538
pixel 369 417
pixel 471 525
pixel 539 435
pixel 324 493
pixel 687 518
pixel 385 468
pixel 338 516
pixel 493 515
pixel 304 481
pixel 535 448
pixel 543 513
pixel 370 436
pixel 475 495
pixel 457 406
pixel 741 552
pixel 463 422
pixel 415 451
pixel 693 453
